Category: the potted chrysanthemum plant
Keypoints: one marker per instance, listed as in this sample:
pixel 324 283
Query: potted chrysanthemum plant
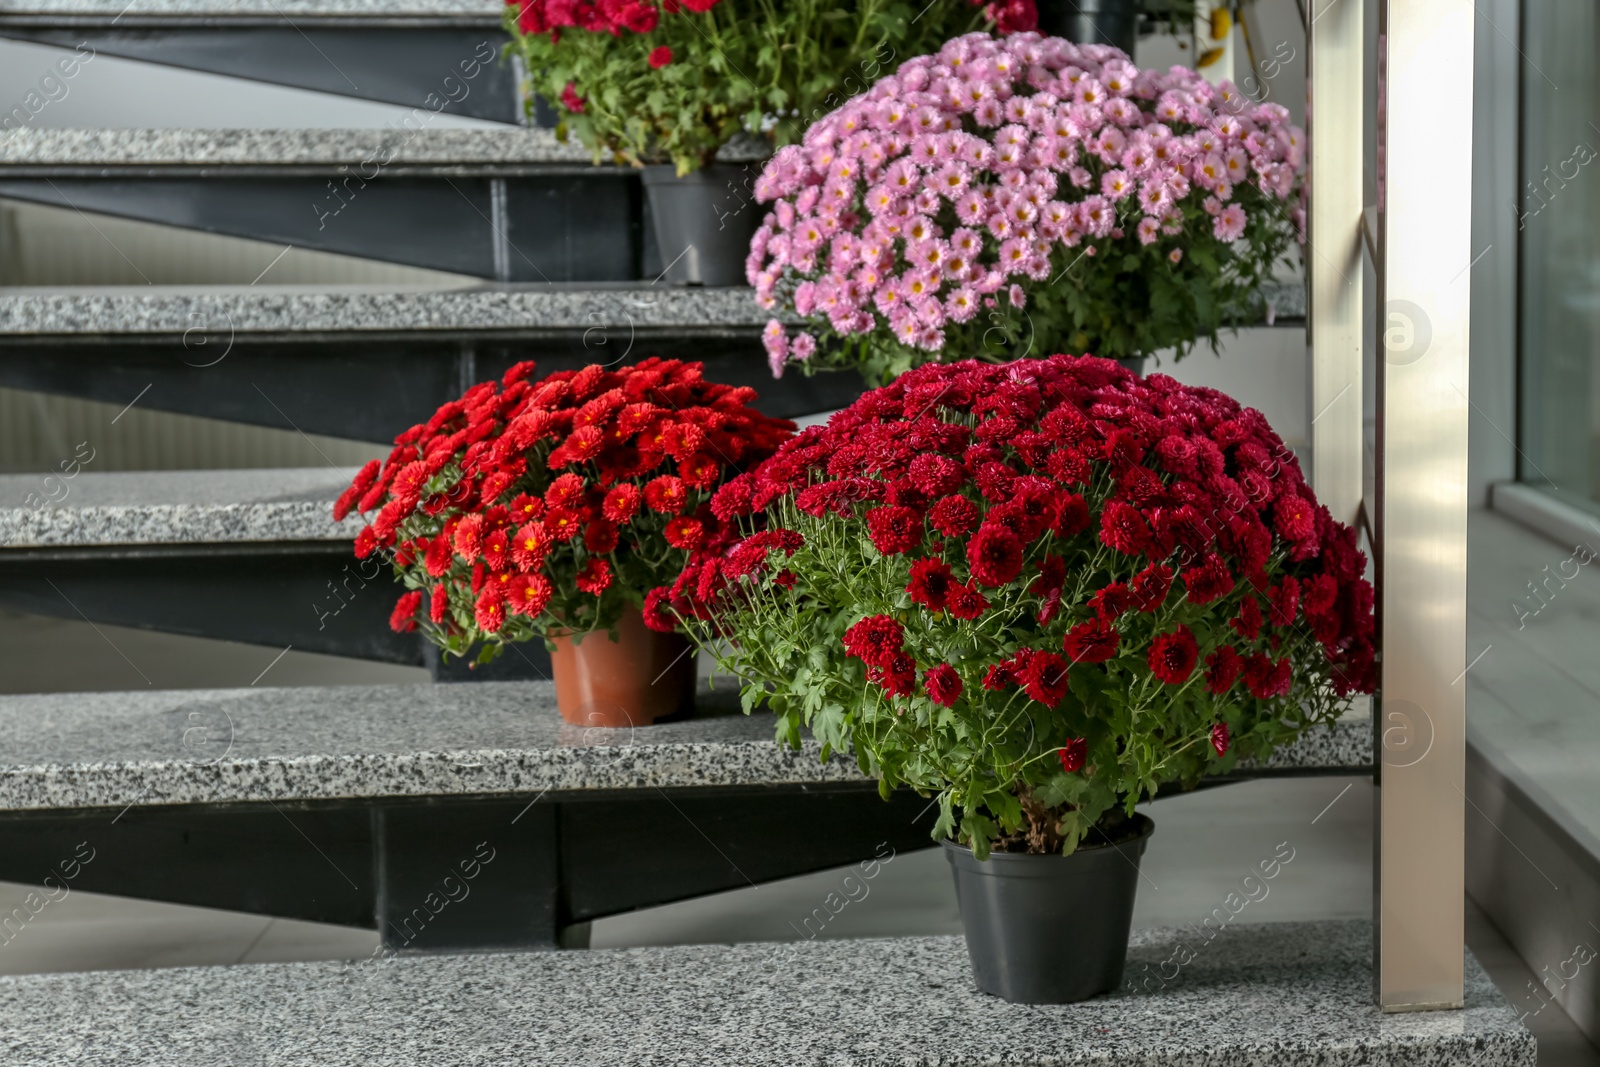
pixel 548 508
pixel 1037 592
pixel 666 84
pixel 1018 196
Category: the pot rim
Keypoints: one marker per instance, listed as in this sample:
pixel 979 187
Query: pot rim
pixel 1148 828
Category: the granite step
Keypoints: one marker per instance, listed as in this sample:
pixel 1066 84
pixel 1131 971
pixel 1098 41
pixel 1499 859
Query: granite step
pixel 499 203
pixel 344 804
pixel 400 53
pixel 1286 994
pixel 365 362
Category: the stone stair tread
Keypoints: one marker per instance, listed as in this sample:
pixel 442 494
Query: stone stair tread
pixel 196 309
pixel 178 507
pixel 176 310
pixel 489 10
pixel 220 148
pixel 1294 994
pixel 144 747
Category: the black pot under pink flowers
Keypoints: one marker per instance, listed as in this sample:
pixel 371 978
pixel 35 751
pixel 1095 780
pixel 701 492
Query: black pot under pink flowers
pixel 1049 929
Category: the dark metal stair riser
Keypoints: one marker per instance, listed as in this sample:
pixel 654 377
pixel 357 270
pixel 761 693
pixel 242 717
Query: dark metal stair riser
pixel 562 227
pixel 372 386
pixel 458 70
pixel 564 860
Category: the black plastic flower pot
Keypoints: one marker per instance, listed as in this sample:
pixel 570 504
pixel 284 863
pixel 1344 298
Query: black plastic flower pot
pixel 703 221
pixel 1113 22
pixel 1049 929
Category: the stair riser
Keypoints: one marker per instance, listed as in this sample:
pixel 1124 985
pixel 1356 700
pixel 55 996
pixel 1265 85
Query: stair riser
pixel 571 858
pixel 572 226
pixel 453 69
pixel 370 387
pixel 271 595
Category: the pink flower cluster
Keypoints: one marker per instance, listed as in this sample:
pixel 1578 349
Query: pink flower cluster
pixel 956 182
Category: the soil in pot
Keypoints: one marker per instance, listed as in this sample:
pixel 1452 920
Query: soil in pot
pixel 1050 929
pixel 641 678
pixel 704 221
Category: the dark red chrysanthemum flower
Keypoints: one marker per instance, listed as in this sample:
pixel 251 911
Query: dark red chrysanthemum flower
pixel 600 537
pixel 1267 679
pixel 874 640
pixel 894 529
pixel 1151 585
pixel 942 684
pixel 897 675
pixel 1124 529
pixel 1219 738
pixel 1045 678
pixel 1247 624
pixel 1294 518
pixel 1112 601
pixel 1222 669
pixel 930 585
pixel 1209 581
pixel 1094 641
pixel 1172 656
pixel 966 602
pixel 660 56
pixel 995 555
pixel 953 515
pixel 656 614
pixel 1073 754
pixel 1285 601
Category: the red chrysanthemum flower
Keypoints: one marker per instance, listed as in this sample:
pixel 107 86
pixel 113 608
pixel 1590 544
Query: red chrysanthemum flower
pixel 931 583
pixel 1265 678
pixel 595 576
pixel 953 516
pixel 942 684
pixel 995 555
pixel 1173 655
pixel 965 602
pixel 665 494
pixel 1073 754
pixel 1294 518
pixel 1247 623
pixel 1151 585
pixel 656 614
pixel 528 593
pixel 660 56
pixel 439 604
pixel 684 532
pixel 874 640
pixel 490 610
pixel 1124 529
pixel 1094 641
pixel 1284 599
pixel 622 503
pixel 1219 738
pixel 897 675
pixel 1222 669
pixel 1045 678
pixel 1209 581
pixel 403 618
pixel 1112 601
pixel 894 529
pixel 600 537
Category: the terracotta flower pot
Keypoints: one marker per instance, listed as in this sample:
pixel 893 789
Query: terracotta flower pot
pixel 642 677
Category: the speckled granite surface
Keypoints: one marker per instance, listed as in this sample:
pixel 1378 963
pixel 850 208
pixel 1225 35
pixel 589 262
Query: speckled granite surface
pixel 1280 994
pixel 489 9
pixel 226 311
pixel 169 507
pixel 83 750
pixel 65 147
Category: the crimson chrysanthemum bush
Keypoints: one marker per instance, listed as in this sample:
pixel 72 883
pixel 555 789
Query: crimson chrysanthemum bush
pixel 1038 590
pixel 649 81
pixel 535 506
